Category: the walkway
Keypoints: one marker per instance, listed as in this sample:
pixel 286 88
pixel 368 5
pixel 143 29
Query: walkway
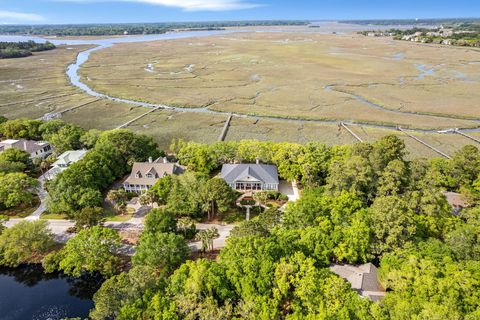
pixel 42 193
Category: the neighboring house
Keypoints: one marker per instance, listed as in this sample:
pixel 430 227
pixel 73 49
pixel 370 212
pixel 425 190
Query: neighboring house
pixel 145 174
pixel 456 200
pixel 250 177
pixel 36 149
pixel 64 161
pixel 364 279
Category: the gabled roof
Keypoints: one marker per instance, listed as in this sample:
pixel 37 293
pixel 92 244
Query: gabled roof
pixel 363 278
pixel 249 172
pixel 69 157
pixel 161 169
pixel 29 146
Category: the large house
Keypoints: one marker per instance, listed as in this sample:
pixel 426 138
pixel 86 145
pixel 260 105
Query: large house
pixel 64 161
pixel 363 279
pixel 145 174
pixel 251 177
pixel 36 149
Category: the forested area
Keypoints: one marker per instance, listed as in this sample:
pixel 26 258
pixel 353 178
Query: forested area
pixel 360 203
pixel 134 28
pixel 22 49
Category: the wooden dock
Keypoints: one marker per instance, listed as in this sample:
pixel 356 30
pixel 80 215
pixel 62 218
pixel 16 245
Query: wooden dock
pixel 457 131
pixel 126 124
pixel 424 143
pixel 351 132
pixel 224 132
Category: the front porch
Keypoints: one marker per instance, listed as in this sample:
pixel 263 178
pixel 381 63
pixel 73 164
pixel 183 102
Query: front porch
pixel 244 186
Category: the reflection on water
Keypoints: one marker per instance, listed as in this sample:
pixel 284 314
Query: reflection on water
pixel 27 293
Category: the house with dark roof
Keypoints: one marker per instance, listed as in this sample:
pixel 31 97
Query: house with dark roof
pixel 145 174
pixel 36 149
pixel 363 279
pixel 250 177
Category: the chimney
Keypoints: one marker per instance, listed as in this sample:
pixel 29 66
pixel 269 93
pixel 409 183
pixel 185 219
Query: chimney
pixel 150 160
pixel 257 160
pixel 165 160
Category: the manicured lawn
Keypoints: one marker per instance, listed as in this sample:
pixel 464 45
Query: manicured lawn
pixel 53 216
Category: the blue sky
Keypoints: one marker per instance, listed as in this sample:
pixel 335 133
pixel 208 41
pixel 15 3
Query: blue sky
pixel 107 11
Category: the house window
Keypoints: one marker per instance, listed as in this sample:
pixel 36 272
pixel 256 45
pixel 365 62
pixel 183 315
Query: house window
pixel 149 175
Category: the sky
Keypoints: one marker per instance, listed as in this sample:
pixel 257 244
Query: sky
pixel 129 11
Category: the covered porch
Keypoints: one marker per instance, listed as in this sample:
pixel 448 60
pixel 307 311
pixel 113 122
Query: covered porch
pixel 248 185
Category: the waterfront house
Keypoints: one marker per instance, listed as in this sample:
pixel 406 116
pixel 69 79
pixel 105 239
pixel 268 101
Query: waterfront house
pixel 145 174
pixel 250 177
pixel 64 161
pixel 36 149
pixel 363 279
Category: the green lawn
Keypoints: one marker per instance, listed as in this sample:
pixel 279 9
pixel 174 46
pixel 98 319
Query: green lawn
pixel 53 216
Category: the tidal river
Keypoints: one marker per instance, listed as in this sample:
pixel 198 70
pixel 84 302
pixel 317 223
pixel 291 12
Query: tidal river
pixel 27 293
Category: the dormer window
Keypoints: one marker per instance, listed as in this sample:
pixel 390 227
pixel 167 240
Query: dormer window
pixel 138 174
pixel 149 175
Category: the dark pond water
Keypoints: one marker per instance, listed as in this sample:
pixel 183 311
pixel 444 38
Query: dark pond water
pixel 27 293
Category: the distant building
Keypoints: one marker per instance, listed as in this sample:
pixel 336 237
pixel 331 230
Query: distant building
pixel 363 279
pixel 36 149
pixel 64 161
pixel 250 177
pixel 457 201
pixel 145 174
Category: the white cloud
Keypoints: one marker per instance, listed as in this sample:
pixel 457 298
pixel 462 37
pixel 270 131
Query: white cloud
pixel 20 16
pixel 190 5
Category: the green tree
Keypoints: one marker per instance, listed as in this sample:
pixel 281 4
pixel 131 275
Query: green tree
pixel 67 138
pixel 201 290
pixel 88 217
pixel 355 175
pixel 393 180
pixel 16 156
pixel 164 251
pixel 185 198
pixel 121 290
pixel 217 197
pixel 89 138
pixel 160 220
pixel 16 188
pixel 21 129
pixel 161 189
pixel 25 242
pixel 119 198
pixel 92 250
pixel 466 165
pixel 207 237
pixel 392 223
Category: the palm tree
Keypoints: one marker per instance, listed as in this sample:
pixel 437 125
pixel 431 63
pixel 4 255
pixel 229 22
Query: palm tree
pixel 207 237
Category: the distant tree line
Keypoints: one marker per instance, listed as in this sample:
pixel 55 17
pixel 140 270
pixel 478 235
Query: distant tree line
pixel 22 49
pixel 146 28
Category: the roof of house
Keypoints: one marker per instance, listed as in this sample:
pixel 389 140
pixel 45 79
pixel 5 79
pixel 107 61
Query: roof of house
pixel 69 157
pixel 249 172
pixel 29 146
pixel 456 200
pixel 156 168
pixel 363 278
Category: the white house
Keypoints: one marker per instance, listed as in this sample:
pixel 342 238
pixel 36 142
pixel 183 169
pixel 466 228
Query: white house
pixel 250 177
pixel 145 174
pixel 64 161
pixel 36 149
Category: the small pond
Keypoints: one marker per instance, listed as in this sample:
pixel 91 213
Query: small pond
pixel 28 293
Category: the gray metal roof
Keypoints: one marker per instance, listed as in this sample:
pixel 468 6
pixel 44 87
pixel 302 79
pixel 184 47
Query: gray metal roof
pixel 249 172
